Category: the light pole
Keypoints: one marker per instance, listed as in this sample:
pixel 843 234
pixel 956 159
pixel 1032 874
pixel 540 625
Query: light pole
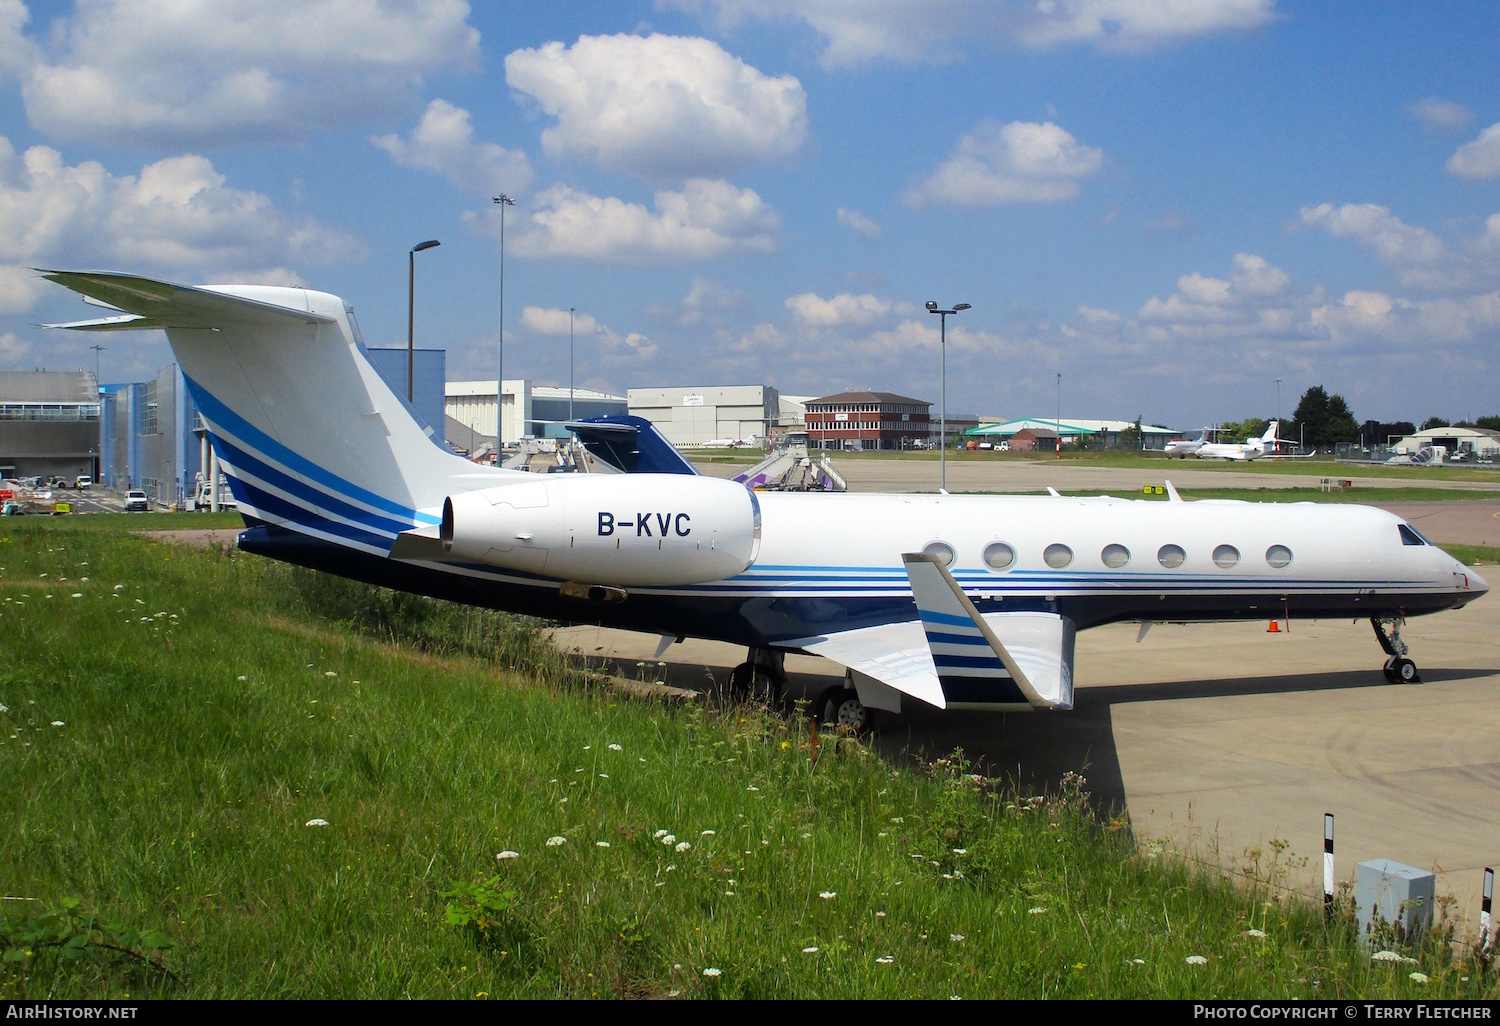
pixel 411 308
pixel 1059 414
pixel 97 350
pixel 571 311
pixel 943 412
pixel 503 201
pixel 1278 412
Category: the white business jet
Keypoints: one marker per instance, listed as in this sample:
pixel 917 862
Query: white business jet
pixel 1182 448
pixel 1251 450
pixel 958 601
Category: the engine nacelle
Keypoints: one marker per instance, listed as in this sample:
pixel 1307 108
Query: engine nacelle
pixel 636 529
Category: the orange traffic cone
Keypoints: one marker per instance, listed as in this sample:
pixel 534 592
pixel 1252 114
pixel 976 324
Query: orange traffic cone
pixel 1275 627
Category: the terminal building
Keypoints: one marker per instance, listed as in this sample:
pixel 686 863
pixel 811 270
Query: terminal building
pixel 868 420
pixel 691 417
pixel 49 425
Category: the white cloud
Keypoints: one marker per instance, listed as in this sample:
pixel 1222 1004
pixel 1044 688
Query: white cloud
pixel 443 142
pixel 13 351
pixel 1479 158
pixel 811 310
pixel 1440 114
pixel 706 219
pixel 632 348
pixel 858 222
pixel 1240 298
pixel 1094 315
pixel 661 107
pixel 176 213
pixel 1020 162
pixel 706 297
pixel 198 72
pixel 856 32
pixel 1416 255
pixel 555 322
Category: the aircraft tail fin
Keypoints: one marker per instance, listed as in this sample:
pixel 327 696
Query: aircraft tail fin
pixel 1269 437
pixel 309 434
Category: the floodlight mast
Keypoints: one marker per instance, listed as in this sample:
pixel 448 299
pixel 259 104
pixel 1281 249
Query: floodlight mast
pixel 411 305
pixel 932 307
pixel 502 201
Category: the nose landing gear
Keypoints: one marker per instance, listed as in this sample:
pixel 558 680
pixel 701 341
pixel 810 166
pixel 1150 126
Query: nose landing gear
pixel 1398 668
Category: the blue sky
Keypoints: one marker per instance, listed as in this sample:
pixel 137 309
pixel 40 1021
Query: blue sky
pixel 1172 203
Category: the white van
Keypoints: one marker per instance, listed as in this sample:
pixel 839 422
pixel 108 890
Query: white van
pixel 84 481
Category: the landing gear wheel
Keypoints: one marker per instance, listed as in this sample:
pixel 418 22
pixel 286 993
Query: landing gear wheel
pixel 751 681
pixel 844 709
pixel 1404 671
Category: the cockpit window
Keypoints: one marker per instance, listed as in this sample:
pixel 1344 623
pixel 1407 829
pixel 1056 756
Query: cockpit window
pixel 1409 536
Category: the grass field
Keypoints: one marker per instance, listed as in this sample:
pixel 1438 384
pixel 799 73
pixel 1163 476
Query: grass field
pixel 177 718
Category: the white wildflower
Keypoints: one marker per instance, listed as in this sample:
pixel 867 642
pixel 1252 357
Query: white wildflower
pixel 711 971
pixel 601 844
pixel 604 775
pixel 885 960
pixel 1196 960
pixel 1255 933
pixel 1039 910
pixel 960 851
pixel 660 834
pixel 956 938
pixel 806 836
pixel 78 594
pixel 879 915
pixel 615 748
pixel 329 673
pixel 242 677
pixel 809 951
pixel 706 833
pixel 752 787
pixel 506 854
pixel 1385 956
pixel 682 846
pixel 1418 977
pixel 119 587
pixel 4 708
pixel 826 895
pixel 669 840
pixel 1138 961
pixel 588 748
pixel 553 842
pixel 317 822
pixel 58 723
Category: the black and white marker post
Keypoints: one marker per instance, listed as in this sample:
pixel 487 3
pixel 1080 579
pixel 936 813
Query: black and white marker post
pixel 1328 865
pixel 1486 936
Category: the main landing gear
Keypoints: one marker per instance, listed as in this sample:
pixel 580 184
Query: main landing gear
pixel 762 676
pixel 1398 668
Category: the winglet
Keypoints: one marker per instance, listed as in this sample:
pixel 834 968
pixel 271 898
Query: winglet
pixel 972 666
pixel 1172 495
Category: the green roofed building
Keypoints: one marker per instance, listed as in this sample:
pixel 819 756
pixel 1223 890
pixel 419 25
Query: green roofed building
pixel 1073 430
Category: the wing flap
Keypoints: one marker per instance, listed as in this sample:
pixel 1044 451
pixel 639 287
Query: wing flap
pixel 895 654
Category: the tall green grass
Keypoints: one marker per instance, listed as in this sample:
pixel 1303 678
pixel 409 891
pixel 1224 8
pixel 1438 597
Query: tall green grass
pixel 212 704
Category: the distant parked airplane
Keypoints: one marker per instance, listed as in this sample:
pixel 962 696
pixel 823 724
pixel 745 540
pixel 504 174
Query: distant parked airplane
pixel 1251 450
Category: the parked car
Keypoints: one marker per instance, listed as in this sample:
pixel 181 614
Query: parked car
pixel 85 481
pixel 136 501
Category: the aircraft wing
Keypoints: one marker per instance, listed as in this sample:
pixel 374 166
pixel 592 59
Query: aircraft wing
pixel 954 657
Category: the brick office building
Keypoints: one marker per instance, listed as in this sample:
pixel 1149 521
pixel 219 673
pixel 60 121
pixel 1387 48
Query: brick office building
pixel 868 420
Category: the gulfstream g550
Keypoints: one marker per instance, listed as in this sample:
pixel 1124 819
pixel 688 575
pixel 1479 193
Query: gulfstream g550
pixel 967 602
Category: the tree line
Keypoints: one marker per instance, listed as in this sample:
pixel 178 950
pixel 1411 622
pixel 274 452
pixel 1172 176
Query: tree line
pixel 1322 420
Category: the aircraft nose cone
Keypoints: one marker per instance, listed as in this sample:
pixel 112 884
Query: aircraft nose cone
pixel 1478 585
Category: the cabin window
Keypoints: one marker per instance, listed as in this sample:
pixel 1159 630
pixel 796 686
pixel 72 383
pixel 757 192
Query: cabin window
pixel 942 550
pixel 1115 556
pixel 1171 556
pixel 999 556
pixel 1226 556
pixel 1409 536
pixel 1057 556
pixel 1278 556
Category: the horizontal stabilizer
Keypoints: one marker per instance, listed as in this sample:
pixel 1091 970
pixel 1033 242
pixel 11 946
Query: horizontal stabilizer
pixel 167 305
pixel 632 445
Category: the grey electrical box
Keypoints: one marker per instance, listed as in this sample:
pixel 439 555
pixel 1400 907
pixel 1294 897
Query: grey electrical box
pixel 1397 894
